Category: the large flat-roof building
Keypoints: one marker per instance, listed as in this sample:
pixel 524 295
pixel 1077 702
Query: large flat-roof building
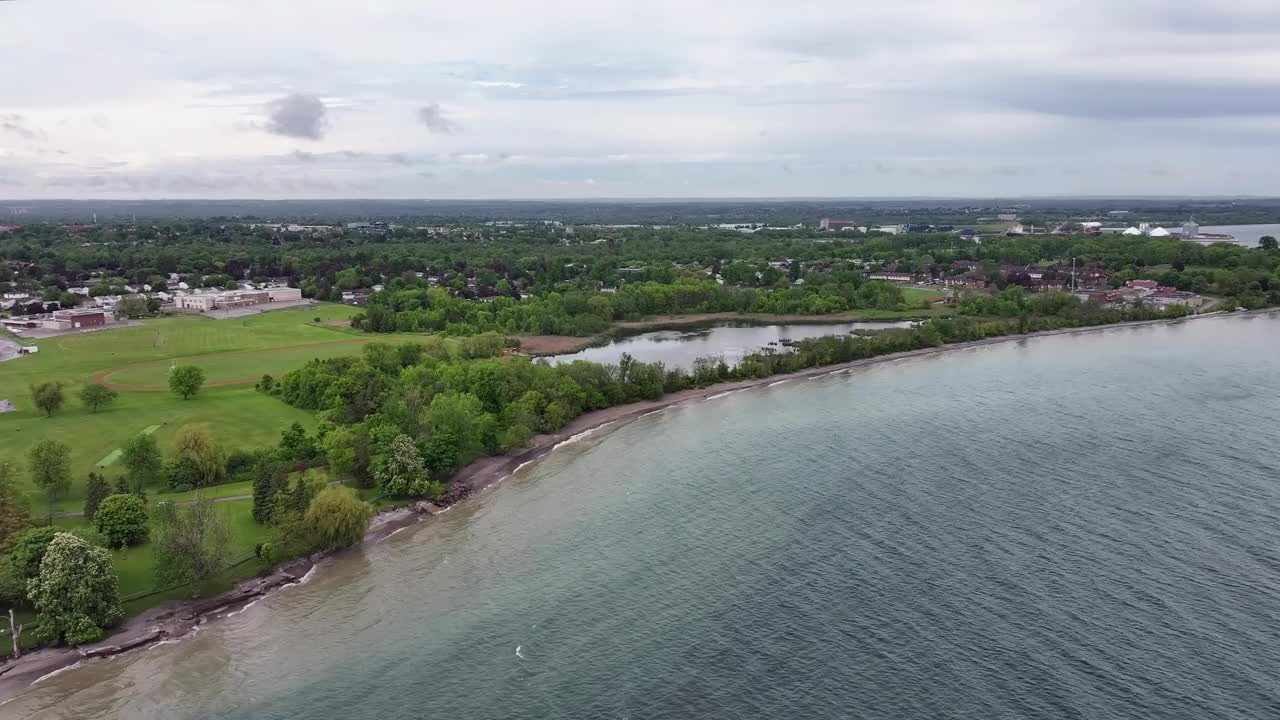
pixel 77 319
pixel 230 299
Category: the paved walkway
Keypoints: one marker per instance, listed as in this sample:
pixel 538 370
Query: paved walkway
pixel 228 498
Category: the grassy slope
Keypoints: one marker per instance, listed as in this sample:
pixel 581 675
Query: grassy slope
pixel 238 415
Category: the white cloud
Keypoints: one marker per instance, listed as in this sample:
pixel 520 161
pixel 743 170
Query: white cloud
pixel 817 97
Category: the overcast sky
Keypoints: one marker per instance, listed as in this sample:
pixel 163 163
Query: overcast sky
pixel 645 98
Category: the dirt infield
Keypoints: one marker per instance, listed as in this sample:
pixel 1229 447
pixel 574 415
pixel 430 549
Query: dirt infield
pixel 103 378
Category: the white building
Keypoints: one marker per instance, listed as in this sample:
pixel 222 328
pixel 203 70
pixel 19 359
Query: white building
pixel 284 294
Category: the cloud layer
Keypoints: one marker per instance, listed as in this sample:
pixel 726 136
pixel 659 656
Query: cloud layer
pixel 738 98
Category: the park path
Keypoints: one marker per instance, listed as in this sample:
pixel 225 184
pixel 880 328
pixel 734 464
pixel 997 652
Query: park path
pixel 228 498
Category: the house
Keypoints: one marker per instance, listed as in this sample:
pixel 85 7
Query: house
pixel 842 225
pixel 967 280
pixel 1143 284
pixel 891 276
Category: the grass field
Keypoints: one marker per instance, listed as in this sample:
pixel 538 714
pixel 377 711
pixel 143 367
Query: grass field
pixel 238 415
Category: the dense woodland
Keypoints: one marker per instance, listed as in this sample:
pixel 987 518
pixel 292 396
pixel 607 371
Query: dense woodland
pixel 476 262
pixel 416 405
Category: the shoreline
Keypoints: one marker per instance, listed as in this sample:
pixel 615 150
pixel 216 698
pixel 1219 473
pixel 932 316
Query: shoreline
pixel 177 619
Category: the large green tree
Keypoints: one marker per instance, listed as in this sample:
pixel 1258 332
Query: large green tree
pixel 186 380
pixel 141 458
pixel 95 492
pixel 337 518
pixel 401 472
pixel 122 520
pixel 47 396
pixel 190 543
pixel 49 463
pixel 197 444
pixel 28 549
pixel 269 478
pixel 96 396
pixel 76 595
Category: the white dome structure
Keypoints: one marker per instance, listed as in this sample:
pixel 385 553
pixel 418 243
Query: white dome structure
pixel 1159 232
pixel 1132 231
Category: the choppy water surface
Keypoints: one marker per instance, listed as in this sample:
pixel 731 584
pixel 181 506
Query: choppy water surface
pixel 679 348
pixel 1072 527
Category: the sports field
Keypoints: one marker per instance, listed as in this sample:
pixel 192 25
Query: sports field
pixel 229 350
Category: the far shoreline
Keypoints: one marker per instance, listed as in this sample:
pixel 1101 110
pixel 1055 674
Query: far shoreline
pixel 177 619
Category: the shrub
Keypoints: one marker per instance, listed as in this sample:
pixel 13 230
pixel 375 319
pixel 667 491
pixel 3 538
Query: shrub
pixel 182 472
pixel 239 463
pixel 122 520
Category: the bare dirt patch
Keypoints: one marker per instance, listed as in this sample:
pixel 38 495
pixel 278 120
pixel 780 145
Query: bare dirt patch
pixel 551 344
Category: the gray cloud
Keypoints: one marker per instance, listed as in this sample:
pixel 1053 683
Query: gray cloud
pixel 1125 98
pixel 434 118
pixel 18 125
pixel 298 116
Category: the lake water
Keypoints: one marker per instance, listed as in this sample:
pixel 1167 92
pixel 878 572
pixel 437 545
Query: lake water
pixel 679 348
pixel 1073 527
pixel 1245 234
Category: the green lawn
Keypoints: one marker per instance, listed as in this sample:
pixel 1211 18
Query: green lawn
pixel 238 415
pixel 915 295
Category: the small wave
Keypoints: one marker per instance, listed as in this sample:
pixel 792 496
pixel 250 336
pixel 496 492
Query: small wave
pixel 234 613
pixel 581 435
pixel 59 671
pixel 778 382
pixel 518 653
pixel 388 537
pixel 304 579
pixel 653 412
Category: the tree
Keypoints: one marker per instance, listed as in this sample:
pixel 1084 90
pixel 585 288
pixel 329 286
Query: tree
pixel 296 445
pixel 76 595
pixel 50 465
pixel 191 543
pixel 122 520
pixel 15 511
pixel 131 306
pixel 337 518
pixel 96 491
pixel 47 396
pixel 141 458
pixel 196 444
pixel 268 480
pixel 402 473
pixel 28 550
pixel 95 396
pixel 185 380
pixel 1267 242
